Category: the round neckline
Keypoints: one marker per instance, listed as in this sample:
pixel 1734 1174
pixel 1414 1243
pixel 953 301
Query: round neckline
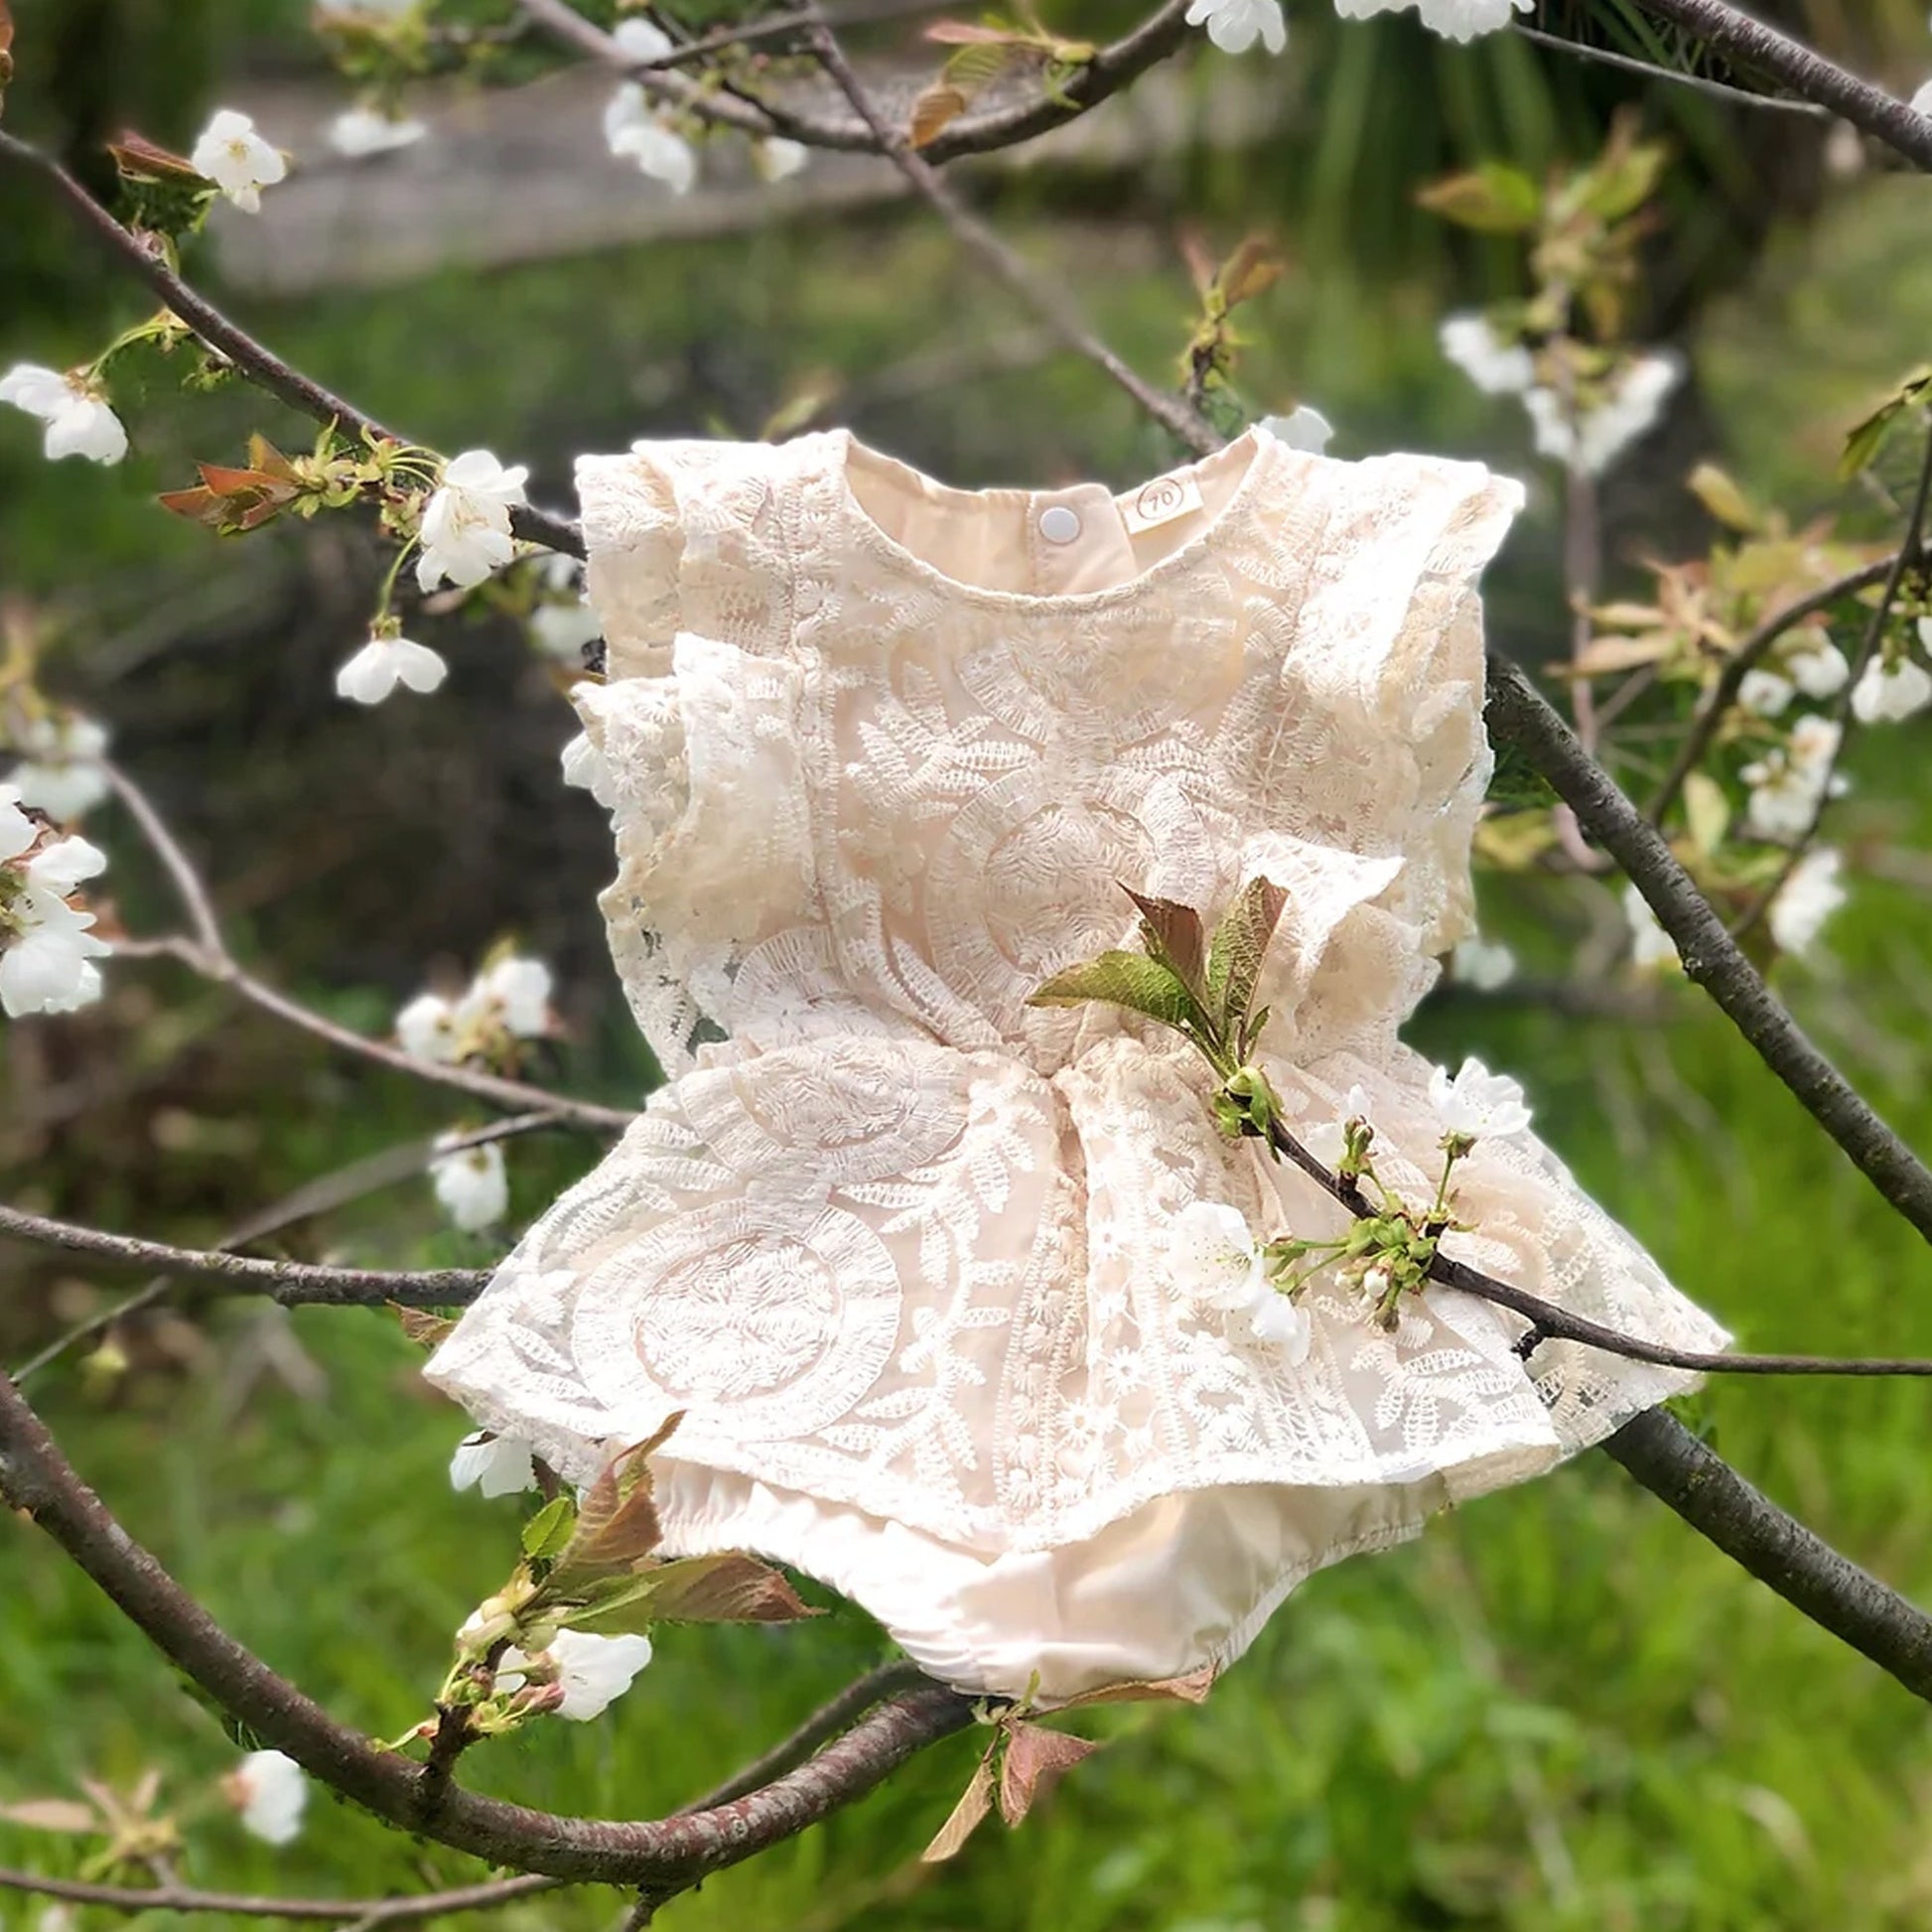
pixel 1235 511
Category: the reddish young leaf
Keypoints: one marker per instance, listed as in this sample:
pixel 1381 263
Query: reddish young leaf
pixel 1036 1759
pixel 974 1803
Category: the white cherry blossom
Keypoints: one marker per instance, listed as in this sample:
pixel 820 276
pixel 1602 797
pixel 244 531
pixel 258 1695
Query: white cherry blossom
pixel 465 534
pixel 17 830
pixel 60 770
pixel 270 1791
pixel 779 159
pixel 1922 99
pixel 1593 440
pixel 1328 1140
pixel 1235 25
pixel 592 1672
pixel 1302 428
pixel 1886 692
pixel 1819 669
pixel 1478 1103
pixel 47 947
pixel 1650 944
pixel 472 1185
pixel 493 1465
pixel 1213 1257
pixel 587 769
pixel 62 867
pixel 426 1029
pixel 238 160
pixel 1496 367
pixel 635 130
pixel 77 418
pixel 384 662
pixel 1789 783
pixel 1281 1323
pixel 1484 964
pixel 640 39
pixel 515 992
pixel 1467 20
pixel 1806 900
pixel 360 131
pixel 512 993
pixel 1764 692
pixel 561 631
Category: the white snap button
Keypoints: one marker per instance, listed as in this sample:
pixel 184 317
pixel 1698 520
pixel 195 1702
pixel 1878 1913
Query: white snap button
pixel 1059 525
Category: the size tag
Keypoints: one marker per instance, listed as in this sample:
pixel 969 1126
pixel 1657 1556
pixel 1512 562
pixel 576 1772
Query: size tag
pixel 1160 501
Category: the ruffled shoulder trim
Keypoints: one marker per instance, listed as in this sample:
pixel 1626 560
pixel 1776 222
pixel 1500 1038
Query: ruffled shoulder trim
pixel 691 535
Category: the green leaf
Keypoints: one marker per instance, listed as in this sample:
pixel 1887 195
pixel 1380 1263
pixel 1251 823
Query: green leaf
pixel 1240 946
pixel 1707 811
pixel 1172 935
pixel 1492 199
pixel 549 1529
pixel 1122 979
pixel 1720 495
pixel 1866 438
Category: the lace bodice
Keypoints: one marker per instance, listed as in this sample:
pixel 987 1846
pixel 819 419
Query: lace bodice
pixel 879 756
pixel 859 795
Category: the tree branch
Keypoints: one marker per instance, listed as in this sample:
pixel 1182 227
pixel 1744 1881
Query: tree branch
pixel 1111 70
pixel 260 365
pixel 1750 1529
pixel 1519 715
pixel 294 1284
pixel 356 1912
pixel 1804 73
pixel 1007 267
pixel 663 1858
pixel 1910 550
pixel 312 1197
pixel 1550 1322
pixel 1745 658
pixel 1653 71
pixel 209 955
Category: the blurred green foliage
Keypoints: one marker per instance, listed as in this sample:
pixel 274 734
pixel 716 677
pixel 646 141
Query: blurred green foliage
pixel 1560 1709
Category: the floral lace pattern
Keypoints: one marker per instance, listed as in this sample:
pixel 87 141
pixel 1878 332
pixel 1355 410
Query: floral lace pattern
pixel 891 1240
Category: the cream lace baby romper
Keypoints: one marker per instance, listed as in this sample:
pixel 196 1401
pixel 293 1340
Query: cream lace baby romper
pixel 895 1243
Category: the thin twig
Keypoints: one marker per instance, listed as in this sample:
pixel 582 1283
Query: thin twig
pixel 292 1282
pixel 663 1856
pixel 260 365
pixel 1550 1322
pixel 313 1198
pixel 1112 69
pixel 786 26
pixel 1909 552
pixel 491 1087
pixel 1805 73
pixel 209 955
pixel 1053 306
pixel 187 884
pixel 1520 716
pixel 1724 693
pixel 1653 71
pixel 337 1912
pixel 817 1730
